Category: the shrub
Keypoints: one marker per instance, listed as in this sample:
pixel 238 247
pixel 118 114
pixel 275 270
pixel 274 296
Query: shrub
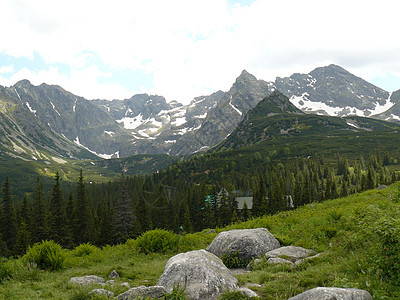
pixel 84 249
pixel 5 272
pixel 157 241
pixel 233 260
pixel 387 253
pixel 46 255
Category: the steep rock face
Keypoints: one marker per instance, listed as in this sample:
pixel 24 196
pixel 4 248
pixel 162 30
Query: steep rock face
pixel 334 91
pixel 221 120
pixel 201 272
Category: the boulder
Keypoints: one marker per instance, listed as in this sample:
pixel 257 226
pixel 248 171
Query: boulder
pixel 87 280
pixel 201 273
pixel 100 292
pixel 291 253
pixel 331 293
pixel 143 292
pixel 248 243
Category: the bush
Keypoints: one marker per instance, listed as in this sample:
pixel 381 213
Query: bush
pixel 47 255
pixel 386 256
pixel 84 249
pixel 157 241
pixel 4 271
pixel 233 260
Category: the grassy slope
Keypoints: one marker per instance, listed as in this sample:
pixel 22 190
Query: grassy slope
pixel 358 236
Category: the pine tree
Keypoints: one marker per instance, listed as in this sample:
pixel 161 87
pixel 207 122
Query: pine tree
pixel 23 240
pixel 82 213
pixel 58 218
pixel 39 227
pixel 187 222
pixel 142 212
pixel 9 219
pixel 124 218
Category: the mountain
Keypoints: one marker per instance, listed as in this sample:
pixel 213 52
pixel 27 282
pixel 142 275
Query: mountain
pixel 25 132
pixel 148 124
pixel 223 118
pixel 275 117
pixel 334 91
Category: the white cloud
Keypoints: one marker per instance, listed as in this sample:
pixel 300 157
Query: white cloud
pixel 196 47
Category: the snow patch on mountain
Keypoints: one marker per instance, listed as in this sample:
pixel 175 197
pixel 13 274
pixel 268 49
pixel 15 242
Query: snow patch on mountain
pixel 382 108
pixel 105 156
pixel 110 133
pixel 30 108
pixel 54 108
pixel 236 109
pixel 132 122
pixel 179 121
pixel 303 103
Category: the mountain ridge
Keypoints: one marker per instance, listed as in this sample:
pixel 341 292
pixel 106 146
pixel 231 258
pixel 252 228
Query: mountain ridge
pixel 149 124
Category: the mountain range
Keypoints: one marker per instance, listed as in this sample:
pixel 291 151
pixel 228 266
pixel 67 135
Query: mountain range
pixel 48 123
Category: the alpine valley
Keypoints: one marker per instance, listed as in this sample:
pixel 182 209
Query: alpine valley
pixel 47 125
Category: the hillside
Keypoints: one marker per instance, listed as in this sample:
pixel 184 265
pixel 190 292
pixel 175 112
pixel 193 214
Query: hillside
pixel 357 236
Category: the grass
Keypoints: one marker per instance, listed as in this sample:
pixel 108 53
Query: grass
pixel 358 236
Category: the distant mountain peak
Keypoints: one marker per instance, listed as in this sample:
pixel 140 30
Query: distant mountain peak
pixel 23 83
pixel 246 76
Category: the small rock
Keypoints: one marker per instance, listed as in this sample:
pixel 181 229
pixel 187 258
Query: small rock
pixel 278 260
pixel 381 187
pixel 101 292
pixel 114 274
pixel 125 284
pixel 331 293
pixel 87 280
pixel 248 292
pixel 110 282
pixel 143 292
pixel 210 231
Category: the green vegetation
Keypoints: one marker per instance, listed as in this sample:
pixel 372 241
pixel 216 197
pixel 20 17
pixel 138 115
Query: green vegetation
pixel 358 237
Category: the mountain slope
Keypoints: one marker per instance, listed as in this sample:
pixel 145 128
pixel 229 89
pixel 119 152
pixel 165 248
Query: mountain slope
pixel 275 117
pixel 221 120
pixel 334 91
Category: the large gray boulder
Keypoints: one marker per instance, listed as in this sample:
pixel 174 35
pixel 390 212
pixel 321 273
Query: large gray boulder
pixel 248 243
pixel 143 292
pixel 87 280
pixel 332 293
pixel 201 273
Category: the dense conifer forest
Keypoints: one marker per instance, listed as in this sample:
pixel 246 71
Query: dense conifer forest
pixel 189 196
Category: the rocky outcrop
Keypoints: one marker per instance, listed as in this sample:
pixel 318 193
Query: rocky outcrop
pixel 201 273
pixel 291 253
pixel 143 292
pixel 87 280
pixel 331 293
pixel 248 243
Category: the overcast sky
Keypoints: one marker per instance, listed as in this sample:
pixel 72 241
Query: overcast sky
pixel 185 48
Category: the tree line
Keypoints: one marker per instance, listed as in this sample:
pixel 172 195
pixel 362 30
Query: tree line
pixel 177 199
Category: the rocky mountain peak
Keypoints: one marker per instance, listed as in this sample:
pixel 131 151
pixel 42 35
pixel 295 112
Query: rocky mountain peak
pixel 245 78
pixel 23 83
